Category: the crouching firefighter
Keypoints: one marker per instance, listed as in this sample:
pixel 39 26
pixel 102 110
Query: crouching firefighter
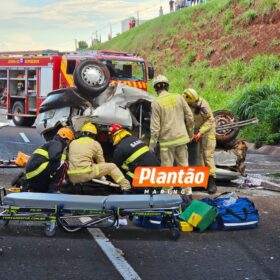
pixel 46 168
pixel 205 134
pixel 130 152
pixel 86 160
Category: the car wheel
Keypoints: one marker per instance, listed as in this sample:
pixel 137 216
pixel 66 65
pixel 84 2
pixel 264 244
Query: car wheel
pixel 223 117
pixel 91 77
pixel 17 109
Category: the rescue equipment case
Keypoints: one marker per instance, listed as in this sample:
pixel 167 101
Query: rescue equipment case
pixel 199 214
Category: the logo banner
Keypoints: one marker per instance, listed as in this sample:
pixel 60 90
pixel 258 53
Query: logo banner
pixel 171 176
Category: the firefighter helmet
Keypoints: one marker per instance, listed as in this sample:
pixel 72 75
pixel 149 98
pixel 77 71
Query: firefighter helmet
pixel 66 133
pixel 118 133
pixel 160 79
pixel 20 86
pixel 90 128
pixel 191 95
pixel 114 128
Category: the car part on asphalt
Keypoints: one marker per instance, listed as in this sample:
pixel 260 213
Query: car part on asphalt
pixel 8 164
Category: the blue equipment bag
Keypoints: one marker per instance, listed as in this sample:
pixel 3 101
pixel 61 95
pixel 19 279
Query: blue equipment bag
pixel 234 213
pixel 149 222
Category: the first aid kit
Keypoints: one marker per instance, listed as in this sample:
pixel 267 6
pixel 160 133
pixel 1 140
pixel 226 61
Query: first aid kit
pixel 199 214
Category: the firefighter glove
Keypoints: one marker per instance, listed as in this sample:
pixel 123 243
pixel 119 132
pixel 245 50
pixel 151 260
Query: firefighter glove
pixel 197 136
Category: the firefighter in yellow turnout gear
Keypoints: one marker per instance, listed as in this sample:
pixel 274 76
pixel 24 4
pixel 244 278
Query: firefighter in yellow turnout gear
pixel 205 133
pixel 171 125
pixel 86 160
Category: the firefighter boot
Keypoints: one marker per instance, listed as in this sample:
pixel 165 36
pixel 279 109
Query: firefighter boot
pixel 211 188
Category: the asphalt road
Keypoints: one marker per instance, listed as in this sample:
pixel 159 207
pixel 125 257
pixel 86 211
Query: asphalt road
pixel 25 253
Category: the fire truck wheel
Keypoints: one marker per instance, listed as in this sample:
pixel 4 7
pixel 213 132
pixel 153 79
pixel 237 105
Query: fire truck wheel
pixel 223 117
pixel 18 108
pixel 91 77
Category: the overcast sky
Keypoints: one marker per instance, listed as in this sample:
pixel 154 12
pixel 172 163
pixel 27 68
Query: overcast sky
pixel 55 24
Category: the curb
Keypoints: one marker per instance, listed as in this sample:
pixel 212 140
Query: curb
pixel 266 149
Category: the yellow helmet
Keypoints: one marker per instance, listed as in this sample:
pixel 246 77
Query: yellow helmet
pixel 89 127
pixel 190 95
pixel 160 79
pixel 66 133
pixel 119 135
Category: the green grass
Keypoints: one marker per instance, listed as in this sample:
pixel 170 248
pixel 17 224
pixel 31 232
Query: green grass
pixel 247 17
pixel 208 52
pixel 261 101
pixel 224 85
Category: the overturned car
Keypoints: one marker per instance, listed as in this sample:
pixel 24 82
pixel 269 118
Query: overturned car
pixel 130 107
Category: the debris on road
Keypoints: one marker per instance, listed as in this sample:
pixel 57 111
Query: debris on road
pixel 8 164
pixel 270 186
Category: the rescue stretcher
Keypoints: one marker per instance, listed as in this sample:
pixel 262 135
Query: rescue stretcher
pixel 75 212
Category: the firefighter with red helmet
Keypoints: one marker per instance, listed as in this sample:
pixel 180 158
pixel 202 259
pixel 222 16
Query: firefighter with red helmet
pixel 130 152
pixel 45 169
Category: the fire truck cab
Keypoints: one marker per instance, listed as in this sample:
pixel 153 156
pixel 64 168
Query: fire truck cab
pixel 27 77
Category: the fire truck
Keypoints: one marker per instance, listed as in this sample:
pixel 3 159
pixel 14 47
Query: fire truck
pixel 26 78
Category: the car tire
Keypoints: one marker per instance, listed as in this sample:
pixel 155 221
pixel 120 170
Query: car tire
pixel 18 108
pixel 91 77
pixel 223 117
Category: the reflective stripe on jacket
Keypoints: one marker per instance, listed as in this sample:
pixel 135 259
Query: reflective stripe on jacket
pixel 42 166
pixel 83 153
pixel 132 152
pixel 134 156
pixel 51 152
pixel 171 121
pixel 204 120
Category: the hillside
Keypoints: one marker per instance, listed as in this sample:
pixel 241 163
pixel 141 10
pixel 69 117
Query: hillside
pixel 223 49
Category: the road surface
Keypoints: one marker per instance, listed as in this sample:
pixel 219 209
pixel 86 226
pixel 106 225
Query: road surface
pixel 25 253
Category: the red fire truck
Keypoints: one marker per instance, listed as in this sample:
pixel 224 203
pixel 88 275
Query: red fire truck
pixel 27 77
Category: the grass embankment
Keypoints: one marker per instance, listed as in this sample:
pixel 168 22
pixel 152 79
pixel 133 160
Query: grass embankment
pixel 227 50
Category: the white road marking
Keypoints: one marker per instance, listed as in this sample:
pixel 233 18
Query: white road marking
pixel 23 136
pixel 119 262
pixel 8 123
pixel 3 124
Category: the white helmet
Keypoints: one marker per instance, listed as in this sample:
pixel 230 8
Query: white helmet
pixel 160 79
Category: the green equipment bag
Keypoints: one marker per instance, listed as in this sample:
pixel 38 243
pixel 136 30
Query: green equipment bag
pixel 199 214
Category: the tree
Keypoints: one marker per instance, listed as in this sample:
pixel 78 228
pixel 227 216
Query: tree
pixel 82 45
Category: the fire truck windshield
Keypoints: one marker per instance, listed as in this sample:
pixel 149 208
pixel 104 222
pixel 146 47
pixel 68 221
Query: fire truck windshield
pixel 126 70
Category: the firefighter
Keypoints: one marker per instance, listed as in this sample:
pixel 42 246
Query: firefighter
pixel 205 133
pixel 86 160
pixel 45 169
pixel 130 152
pixel 20 87
pixel 171 125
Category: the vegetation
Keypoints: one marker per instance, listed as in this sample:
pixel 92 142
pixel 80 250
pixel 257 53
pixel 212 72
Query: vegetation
pixel 212 48
pixel 82 45
pixel 263 102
